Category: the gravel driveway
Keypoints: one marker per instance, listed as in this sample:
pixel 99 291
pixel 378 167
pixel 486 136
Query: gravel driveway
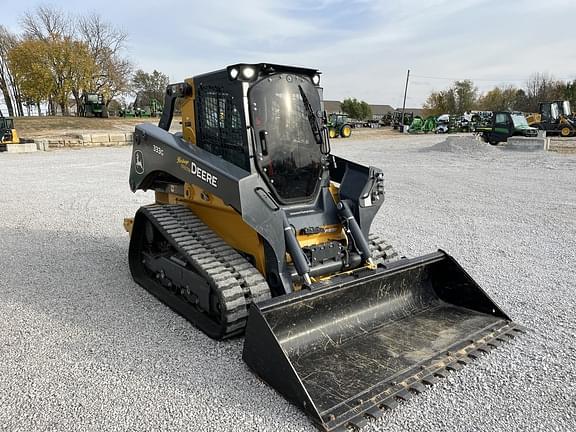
pixel 82 347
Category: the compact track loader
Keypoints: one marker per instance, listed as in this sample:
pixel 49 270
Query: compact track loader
pixel 258 229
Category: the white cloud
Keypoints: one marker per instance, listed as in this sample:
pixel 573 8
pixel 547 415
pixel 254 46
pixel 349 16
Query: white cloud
pixel 363 47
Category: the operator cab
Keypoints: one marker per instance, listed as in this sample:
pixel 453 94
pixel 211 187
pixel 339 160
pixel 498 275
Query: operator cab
pixel 288 148
pixel 268 118
pixel 6 127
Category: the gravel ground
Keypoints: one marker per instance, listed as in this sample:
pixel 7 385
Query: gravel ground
pixel 82 347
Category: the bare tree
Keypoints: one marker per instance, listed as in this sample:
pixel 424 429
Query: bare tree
pixel 542 87
pixel 119 78
pixel 106 43
pixel 7 84
pixel 50 24
pixel 103 39
pixel 46 22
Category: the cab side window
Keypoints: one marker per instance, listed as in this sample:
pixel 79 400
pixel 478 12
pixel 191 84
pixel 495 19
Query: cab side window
pixel 220 126
pixel 501 120
pixel 546 112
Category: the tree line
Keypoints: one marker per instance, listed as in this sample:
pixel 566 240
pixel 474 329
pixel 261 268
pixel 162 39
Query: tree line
pixel 463 96
pixel 359 110
pixel 58 57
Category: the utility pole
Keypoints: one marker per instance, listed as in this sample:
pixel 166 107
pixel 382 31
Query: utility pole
pixel 404 103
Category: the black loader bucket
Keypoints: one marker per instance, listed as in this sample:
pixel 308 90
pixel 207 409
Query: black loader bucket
pixel 345 352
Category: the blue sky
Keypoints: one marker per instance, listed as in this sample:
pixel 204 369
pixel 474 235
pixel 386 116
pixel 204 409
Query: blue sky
pixel 362 47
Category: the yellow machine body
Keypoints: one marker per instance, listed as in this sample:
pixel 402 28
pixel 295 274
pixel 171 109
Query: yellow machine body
pixel 222 218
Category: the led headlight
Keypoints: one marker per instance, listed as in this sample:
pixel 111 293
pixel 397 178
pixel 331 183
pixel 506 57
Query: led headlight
pixel 233 73
pixel 248 72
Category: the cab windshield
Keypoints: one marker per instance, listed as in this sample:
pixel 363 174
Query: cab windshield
pixel 6 123
pixel 519 120
pixel 291 155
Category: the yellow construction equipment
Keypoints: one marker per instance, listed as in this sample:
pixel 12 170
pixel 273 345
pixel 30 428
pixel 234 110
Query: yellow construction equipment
pixel 8 135
pixel 556 118
pixel 257 228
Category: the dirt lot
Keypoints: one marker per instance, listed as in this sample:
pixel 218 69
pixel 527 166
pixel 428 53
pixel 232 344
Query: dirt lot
pixel 36 127
pixel 55 127
pixel 82 347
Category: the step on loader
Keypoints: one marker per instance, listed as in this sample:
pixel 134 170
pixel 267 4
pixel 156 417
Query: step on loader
pixel 258 228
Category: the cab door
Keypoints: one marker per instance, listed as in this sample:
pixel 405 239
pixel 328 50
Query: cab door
pixel 502 128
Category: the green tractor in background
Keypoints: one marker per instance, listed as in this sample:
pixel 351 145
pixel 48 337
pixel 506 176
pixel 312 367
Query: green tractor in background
pixel 400 122
pixel 155 108
pixel 420 125
pixel 93 105
pixel 135 109
pixel 338 125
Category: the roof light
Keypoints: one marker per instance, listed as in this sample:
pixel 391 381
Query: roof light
pixel 316 79
pixel 248 72
pixel 233 73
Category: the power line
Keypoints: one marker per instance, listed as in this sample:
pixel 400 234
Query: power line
pixel 481 79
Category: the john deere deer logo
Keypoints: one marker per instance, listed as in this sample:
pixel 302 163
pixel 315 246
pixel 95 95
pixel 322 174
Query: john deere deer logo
pixel 138 162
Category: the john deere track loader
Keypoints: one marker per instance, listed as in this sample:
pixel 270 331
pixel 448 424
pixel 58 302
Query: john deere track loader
pixel 258 229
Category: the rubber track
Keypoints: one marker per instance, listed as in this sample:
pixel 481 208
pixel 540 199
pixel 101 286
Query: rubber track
pixel 236 281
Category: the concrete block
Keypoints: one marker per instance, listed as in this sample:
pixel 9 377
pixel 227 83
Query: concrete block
pixel 100 138
pixel 21 148
pixel 55 142
pixel 129 138
pixel 525 144
pixel 115 137
pixel 73 143
pixel 86 138
pixel 42 145
pixel 562 144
